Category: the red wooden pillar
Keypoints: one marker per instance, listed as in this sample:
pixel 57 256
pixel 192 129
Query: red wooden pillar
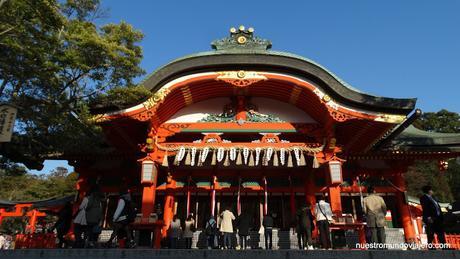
pixel 31 226
pixel 168 212
pixel 403 207
pixel 310 190
pixel 335 199
pixel 1 215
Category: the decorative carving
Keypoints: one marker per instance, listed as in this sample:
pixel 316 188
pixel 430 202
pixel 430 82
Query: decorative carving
pixel 157 98
pixel 240 78
pixel 339 116
pixel 229 114
pixel 241 39
pixel 174 127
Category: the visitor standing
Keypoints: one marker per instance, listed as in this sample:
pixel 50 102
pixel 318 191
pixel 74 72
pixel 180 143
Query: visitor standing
pixel 375 209
pixel 267 222
pixel 94 217
pixel 211 232
pixel 80 225
pixel 243 226
pixel 188 231
pixel 122 217
pixel 2 241
pixel 323 214
pixel 432 216
pixel 226 227
pixel 63 224
pixel 305 226
pixel 174 232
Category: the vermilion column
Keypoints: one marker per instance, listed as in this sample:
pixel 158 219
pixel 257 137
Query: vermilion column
pixel 403 207
pixel 168 212
pixel 1 215
pixel 335 199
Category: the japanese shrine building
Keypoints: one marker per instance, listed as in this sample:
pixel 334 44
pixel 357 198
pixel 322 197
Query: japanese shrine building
pixel 260 131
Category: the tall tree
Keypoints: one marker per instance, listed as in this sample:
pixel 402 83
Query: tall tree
pixel 54 58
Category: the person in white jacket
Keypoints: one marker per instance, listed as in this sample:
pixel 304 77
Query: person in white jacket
pixel 226 227
pixel 120 219
pixel 323 214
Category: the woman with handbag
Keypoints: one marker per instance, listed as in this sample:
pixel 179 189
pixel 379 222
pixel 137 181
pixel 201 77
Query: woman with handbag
pixel 323 219
pixel 188 231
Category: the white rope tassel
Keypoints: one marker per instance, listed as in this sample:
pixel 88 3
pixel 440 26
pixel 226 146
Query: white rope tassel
pixel 302 159
pixel 275 158
pixel 239 160
pixel 315 162
pixel 165 160
pixel 227 159
pixel 289 163
pixel 214 157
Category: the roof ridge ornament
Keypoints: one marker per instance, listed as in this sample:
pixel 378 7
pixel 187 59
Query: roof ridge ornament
pixel 241 39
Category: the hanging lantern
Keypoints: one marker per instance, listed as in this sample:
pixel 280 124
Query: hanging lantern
pixel 335 171
pixel 149 172
pixel 443 165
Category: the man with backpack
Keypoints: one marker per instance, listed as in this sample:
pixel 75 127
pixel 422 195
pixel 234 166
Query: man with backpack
pixel 123 216
pixel 211 231
pixel 93 217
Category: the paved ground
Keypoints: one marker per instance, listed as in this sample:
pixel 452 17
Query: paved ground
pixel 221 254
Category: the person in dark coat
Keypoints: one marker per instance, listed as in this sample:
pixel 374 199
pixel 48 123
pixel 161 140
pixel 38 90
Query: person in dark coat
pixel 243 226
pixel 432 216
pixel 268 223
pixel 305 226
pixel 63 224
pixel 94 216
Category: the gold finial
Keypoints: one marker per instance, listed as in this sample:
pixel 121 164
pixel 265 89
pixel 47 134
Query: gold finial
pixel 233 30
pixel 251 30
pixel 241 28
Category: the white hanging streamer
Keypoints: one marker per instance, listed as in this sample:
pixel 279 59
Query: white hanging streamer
pixel 283 156
pixel 297 155
pixel 204 155
pixel 269 153
pixel 220 154
pixel 246 155
pixel 180 154
pixel 192 163
pixel 258 150
pixel 232 154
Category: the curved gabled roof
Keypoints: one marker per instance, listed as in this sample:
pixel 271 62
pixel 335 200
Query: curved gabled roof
pixel 416 139
pixel 253 53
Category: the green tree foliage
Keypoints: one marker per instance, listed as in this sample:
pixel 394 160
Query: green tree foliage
pixel 18 186
pixel 54 59
pixel 445 184
pixel 442 121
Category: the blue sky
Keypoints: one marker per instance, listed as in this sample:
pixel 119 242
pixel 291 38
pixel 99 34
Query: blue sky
pixel 388 48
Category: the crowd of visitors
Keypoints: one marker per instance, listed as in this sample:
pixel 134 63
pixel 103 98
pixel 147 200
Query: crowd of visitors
pixel 221 232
